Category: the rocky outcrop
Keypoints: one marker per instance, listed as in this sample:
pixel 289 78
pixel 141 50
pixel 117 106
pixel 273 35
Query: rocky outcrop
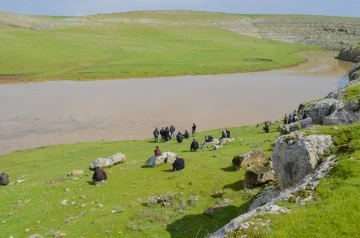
pixel 330 112
pixel 267 200
pixel 108 162
pixel 349 54
pixel 288 128
pixel 296 156
pixel 305 122
pixel 249 158
pixel 354 72
pixel 258 175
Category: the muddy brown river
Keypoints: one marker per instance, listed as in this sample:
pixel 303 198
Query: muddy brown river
pixel 57 112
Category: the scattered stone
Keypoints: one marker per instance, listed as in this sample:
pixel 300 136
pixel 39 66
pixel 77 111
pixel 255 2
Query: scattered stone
pixel 108 162
pixel 35 236
pixel 27 230
pixel 193 199
pixel 67 189
pixel 63 202
pixel 258 175
pixel 165 201
pixel 218 194
pixel 249 158
pixel 222 203
pixel 20 180
pixel 76 172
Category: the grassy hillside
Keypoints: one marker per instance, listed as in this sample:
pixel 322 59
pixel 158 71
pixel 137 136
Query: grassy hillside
pixel 128 45
pixel 335 213
pixel 119 205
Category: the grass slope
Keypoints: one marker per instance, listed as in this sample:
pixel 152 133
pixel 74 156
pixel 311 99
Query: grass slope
pixel 35 203
pixel 130 45
pixel 335 213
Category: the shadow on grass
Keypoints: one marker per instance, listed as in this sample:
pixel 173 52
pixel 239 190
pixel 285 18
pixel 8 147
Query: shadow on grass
pixel 167 170
pixel 90 182
pixel 228 169
pixel 144 166
pixel 237 186
pixel 201 225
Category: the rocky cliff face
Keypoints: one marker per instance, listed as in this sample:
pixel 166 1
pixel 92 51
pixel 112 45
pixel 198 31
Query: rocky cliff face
pixel 351 54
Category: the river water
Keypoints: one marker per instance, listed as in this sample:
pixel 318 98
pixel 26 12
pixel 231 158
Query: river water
pixel 57 112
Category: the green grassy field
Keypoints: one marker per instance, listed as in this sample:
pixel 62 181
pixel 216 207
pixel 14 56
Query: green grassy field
pixel 131 45
pixel 119 207
pixel 35 203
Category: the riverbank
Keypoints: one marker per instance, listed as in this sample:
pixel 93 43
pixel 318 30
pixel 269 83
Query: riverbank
pixel 114 110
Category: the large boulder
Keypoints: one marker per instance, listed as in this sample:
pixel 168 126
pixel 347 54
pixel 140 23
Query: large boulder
pixel 295 156
pixel 329 112
pixel 108 162
pixel 349 54
pixel 258 175
pixel 166 157
pixel 249 158
pixel 306 122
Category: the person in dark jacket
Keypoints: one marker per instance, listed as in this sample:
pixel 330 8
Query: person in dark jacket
pixel 167 134
pixel 99 175
pixel 179 137
pixel 223 134
pixel 162 134
pixel 266 127
pixel 194 145
pixel 4 179
pixel 227 133
pixel 186 134
pixel 172 130
pixel 178 164
pixel 156 134
pixel 193 131
pixel 157 151
pixel 209 138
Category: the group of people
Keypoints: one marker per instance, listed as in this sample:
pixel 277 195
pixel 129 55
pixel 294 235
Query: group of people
pixel 167 133
pixel 290 118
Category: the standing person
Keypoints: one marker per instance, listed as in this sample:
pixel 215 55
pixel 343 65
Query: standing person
pixel 167 134
pixel 266 127
pixel 286 119
pixel 99 176
pixel 172 130
pixel 156 134
pixel 162 134
pixel 193 130
pixel 294 116
pixel 157 151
